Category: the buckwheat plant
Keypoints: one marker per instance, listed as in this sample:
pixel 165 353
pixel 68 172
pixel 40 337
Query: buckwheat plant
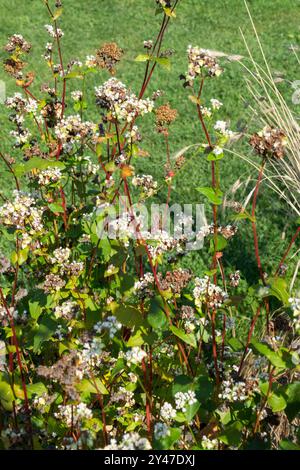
pixel 104 342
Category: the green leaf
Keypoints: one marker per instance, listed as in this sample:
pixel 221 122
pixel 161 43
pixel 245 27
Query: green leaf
pixel 212 157
pixel 288 445
pixel 276 402
pixel 56 208
pixel 191 411
pixel 168 442
pixel 292 392
pixel 36 389
pixel 36 163
pixel 19 257
pixel 129 316
pixel 278 288
pixel 35 310
pixel 266 351
pixel 135 340
pixel 75 74
pixel 45 330
pixel 182 383
pixel 57 14
pixel 187 338
pixel 232 434
pixel 242 216
pixel 169 12
pixel 142 58
pixel 156 316
pixel 6 395
pixel 92 386
pixel 235 344
pixel 164 62
pixel 220 245
pixel 213 195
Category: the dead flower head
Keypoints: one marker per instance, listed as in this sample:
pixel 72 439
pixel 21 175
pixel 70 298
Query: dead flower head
pixel 269 143
pixel 165 115
pixel 108 56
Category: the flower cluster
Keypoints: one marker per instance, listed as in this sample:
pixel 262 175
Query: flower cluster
pixel 235 278
pixel 113 95
pixel 234 389
pixel 146 183
pixel 295 305
pixel 124 396
pixel 184 399
pixel 134 355
pixel 72 130
pixel 73 415
pixel 110 324
pixel 66 310
pixel 61 255
pixel 207 292
pixel 53 283
pixel 175 281
pixel 91 355
pixel 77 95
pixel 269 142
pixel 167 412
pixel 16 44
pixel 130 441
pixel 49 176
pixel 200 62
pixel 188 316
pixel 54 32
pixel 222 128
pixel 144 287
pixel 161 430
pixel 22 214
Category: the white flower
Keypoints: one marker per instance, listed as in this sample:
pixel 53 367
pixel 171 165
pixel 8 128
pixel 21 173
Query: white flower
pixel 49 176
pixel 110 324
pixel 65 310
pixel 222 128
pixel 209 293
pixel 76 95
pixel 124 105
pixel 183 399
pixel 167 411
pixel 73 414
pixel 90 61
pixel 22 213
pixel 218 151
pixel 130 441
pixel 161 430
pixel 58 33
pixel 216 104
pixel 135 355
pixel 61 255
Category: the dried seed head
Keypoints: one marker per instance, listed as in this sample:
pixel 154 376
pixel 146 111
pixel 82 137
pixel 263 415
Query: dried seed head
pixel 269 143
pixel 175 281
pixel 108 56
pixel 17 45
pixel 165 115
pixel 179 162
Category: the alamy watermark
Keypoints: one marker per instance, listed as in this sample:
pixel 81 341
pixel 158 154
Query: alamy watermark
pixel 296 94
pixel 2 92
pixel 158 223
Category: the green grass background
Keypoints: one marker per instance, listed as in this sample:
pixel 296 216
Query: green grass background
pixel 209 24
